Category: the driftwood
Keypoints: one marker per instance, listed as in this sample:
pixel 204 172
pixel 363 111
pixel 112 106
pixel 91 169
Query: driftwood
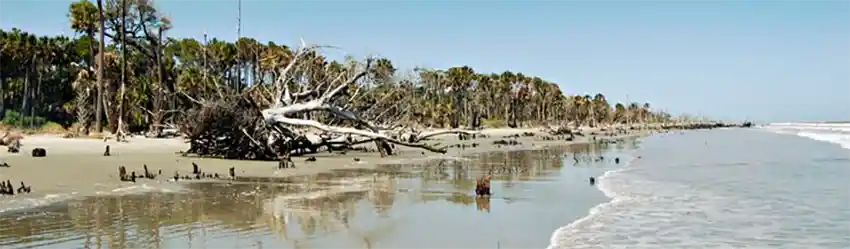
pixel 273 124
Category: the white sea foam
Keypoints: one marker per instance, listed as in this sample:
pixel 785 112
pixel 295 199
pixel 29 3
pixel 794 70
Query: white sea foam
pixel 560 238
pixel 706 202
pixel 832 133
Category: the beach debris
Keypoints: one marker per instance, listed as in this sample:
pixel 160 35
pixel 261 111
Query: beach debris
pixel 6 188
pixel 482 186
pixel 310 159
pixel 4 164
pixel 39 152
pixel 14 147
pixel 177 176
pixel 106 151
pixel 356 159
pixel 558 130
pixel 511 136
pixel 506 142
pixel 195 169
pixel 148 174
pixel 122 175
pixel 23 189
pixel 196 174
pixel 286 161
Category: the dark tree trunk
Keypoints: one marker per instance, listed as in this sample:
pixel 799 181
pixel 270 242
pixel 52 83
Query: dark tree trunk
pixel 24 97
pixel 99 99
pixel 2 95
pixel 33 94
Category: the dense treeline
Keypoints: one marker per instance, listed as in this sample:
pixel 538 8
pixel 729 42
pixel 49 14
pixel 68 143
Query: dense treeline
pixel 132 77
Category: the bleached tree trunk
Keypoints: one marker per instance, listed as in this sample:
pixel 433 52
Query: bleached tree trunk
pixel 288 105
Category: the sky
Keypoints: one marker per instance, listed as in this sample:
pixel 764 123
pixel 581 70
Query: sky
pixel 759 60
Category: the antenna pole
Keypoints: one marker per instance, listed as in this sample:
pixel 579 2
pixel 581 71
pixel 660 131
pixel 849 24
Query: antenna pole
pixel 205 56
pixel 240 66
pixel 239 20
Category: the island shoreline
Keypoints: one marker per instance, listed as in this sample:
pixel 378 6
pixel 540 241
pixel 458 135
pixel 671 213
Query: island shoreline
pixel 75 168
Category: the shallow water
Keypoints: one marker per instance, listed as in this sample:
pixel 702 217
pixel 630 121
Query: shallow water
pixel 723 188
pixel 395 206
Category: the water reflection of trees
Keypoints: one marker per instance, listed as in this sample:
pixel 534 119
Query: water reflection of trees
pixel 482 204
pixel 507 168
pixel 135 221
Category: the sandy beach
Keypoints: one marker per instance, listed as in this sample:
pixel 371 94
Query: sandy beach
pixel 348 205
pixel 76 165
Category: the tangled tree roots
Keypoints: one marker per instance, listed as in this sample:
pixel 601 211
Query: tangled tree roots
pixel 231 128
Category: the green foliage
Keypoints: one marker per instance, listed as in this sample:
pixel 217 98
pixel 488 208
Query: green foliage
pixel 51 75
pixel 494 123
pixel 15 119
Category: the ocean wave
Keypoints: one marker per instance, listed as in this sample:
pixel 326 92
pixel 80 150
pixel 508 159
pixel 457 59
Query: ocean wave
pixel 560 237
pixel 714 205
pixel 828 132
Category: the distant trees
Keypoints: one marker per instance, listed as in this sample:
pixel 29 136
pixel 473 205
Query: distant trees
pixel 147 80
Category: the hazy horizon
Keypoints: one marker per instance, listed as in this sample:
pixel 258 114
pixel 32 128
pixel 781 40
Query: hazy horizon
pixel 765 61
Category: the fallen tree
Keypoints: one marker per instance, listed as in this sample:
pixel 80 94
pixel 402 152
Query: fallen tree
pixel 273 121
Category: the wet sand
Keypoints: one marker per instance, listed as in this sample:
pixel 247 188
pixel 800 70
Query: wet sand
pixel 76 168
pixel 389 206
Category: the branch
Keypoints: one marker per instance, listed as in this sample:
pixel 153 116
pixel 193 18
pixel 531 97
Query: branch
pixel 282 92
pixel 190 98
pixel 345 85
pixel 346 130
pixel 423 136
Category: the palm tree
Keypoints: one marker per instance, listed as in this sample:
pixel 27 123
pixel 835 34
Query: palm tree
pixel 120 129
pixel 620 115
pixel 100 51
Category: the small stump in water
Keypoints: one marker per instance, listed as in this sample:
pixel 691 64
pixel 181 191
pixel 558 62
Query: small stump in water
pixel 482 187
pixel 39 152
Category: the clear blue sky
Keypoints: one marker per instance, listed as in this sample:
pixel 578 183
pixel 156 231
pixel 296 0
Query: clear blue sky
pixel 762 60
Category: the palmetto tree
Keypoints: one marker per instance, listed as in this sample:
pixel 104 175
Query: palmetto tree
pixel 164 77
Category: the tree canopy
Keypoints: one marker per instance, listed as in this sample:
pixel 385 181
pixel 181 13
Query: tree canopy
pixel 149 80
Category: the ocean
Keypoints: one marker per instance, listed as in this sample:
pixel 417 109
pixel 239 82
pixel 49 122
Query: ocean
pixel 778 186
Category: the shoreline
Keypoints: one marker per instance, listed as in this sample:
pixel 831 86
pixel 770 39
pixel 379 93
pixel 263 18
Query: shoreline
pixel 557 235
pixel 75 168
